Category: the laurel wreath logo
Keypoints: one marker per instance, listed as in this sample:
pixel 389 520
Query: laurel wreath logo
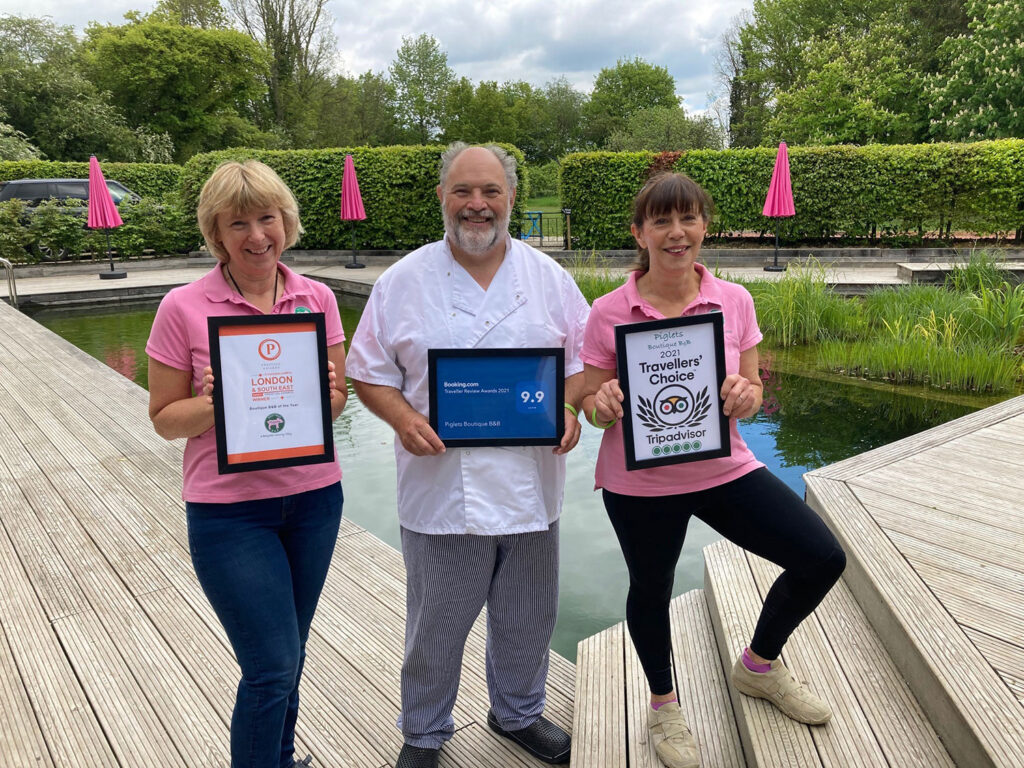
pixel 648 416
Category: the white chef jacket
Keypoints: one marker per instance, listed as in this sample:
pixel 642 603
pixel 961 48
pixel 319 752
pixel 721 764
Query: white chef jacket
pixel 427 300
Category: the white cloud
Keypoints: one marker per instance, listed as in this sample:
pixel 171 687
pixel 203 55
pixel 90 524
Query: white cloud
pixel 532 40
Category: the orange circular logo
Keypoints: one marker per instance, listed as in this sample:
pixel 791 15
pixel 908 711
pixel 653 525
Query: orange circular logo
pixel 270 349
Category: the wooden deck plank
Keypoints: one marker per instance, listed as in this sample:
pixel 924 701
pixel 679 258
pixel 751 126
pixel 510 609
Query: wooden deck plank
pixel 879 724
pixel 1004 656
pixel 61 708
pixel 769 738
pixel 599 720
pixel 885 455
pixel 965 699
pixel 21 740
pixel 702 684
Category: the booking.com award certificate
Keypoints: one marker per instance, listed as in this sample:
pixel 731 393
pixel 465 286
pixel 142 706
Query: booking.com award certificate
pixel 271 394
pixel 497 396
pixel 671 373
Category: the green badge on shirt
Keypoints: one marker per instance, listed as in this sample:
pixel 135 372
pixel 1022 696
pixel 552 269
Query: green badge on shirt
pixel 303 311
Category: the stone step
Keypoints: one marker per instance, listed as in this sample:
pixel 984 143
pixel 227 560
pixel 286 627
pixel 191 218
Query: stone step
pixel 876 722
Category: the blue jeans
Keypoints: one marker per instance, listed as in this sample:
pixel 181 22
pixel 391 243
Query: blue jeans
pixel 262 565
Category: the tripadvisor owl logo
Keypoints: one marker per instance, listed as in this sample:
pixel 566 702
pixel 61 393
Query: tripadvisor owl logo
pixel 673 407
pixel 274 423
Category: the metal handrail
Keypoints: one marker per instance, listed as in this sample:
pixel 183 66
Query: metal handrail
pixel 12 289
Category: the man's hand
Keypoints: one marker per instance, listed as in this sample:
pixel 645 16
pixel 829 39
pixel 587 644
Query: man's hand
pixel 417 437
pixel 570 437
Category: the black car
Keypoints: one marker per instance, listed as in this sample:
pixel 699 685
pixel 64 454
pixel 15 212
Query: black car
pixel 34 191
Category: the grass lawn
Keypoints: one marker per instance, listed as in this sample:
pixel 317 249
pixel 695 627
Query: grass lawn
pixel 550 204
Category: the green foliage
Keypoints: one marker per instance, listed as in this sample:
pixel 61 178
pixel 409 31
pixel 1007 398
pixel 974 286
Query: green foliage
pixel 14 145
pixel 163 76
pixel 598 187
pixel 421 76
pixel 145 179
pixel 978 93
pixel 14 235
pixel 56 233
pixel 593 278
pixel 544 179
pixel 980 271
pixel 397 185
pixel 623 90
pixel 161 226
pixel 892 193
pixel 664 129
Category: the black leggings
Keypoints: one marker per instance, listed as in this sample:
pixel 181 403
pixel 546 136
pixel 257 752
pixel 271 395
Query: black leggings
pixel 759 513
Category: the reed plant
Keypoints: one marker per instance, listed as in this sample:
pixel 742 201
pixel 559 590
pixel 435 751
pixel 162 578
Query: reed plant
pixel 981 270
pixel 800 308
pixel 592 276
pixel 1000 314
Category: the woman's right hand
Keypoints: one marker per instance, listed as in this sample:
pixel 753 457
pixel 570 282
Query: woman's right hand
pixel 608 401
pixel 208 384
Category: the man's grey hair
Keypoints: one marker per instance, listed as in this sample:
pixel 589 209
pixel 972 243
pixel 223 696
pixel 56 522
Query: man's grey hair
pixel 508 162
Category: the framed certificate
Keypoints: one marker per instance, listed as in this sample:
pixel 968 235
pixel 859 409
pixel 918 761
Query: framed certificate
pixel 271 394
pixel 497 396
pixel 671 373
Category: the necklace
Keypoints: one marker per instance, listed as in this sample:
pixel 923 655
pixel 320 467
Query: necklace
pixel 277 277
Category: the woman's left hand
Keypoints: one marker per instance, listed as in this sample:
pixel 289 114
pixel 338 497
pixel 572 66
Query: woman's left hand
pixel 742 397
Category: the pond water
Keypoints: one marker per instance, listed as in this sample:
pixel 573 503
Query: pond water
pixel 807 422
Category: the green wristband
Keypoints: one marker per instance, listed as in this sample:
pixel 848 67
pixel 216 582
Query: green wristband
pixel 571 410
pixel 593 420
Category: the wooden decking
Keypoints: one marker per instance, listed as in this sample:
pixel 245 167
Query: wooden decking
pixel 918 649
pixel 109 652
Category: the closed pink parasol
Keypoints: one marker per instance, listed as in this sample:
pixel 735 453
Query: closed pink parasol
pixel 351 204
pixel 779 201
pixel 103 213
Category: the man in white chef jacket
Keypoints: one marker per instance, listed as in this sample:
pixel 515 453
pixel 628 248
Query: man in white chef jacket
pixel 479 525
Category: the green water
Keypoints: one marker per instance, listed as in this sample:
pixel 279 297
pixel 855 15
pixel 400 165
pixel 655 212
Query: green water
pixel 807 422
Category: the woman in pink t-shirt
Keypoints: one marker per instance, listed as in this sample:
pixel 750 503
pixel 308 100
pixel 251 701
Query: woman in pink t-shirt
pixel 261 542
pixel 736 495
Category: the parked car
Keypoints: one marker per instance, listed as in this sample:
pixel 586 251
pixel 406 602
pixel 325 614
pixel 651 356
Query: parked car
pixel 34 191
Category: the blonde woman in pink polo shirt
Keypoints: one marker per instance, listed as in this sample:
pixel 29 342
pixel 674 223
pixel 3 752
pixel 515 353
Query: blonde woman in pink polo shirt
pixel 736 495
pixel 260 541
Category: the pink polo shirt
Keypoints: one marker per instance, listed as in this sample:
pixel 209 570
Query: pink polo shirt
pixel 179 338
pixel 624 305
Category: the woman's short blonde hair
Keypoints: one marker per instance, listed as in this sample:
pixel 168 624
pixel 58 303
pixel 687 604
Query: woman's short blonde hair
pixel 240 188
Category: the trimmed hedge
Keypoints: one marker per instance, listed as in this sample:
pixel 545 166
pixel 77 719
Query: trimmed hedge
pixel 397 185
pixel 875 191
pixel 145 179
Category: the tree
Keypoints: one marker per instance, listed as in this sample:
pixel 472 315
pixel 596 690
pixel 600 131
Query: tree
pixel 561 129
pixel 358 112
pixel 863 90
pixel 666 129
pixel 14 145
pixel 48 99
pixel 421 77
pixel 979 95
pixel 301 47
pixel 160 76
pixel 622 91
pixel 205 14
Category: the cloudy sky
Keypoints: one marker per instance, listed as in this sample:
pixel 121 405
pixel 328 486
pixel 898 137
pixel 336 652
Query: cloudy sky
pixel 532 40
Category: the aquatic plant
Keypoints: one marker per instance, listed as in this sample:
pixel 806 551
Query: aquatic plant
pixel 592 276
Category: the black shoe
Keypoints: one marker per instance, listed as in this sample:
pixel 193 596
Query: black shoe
pixel 542 739
pixel 417 757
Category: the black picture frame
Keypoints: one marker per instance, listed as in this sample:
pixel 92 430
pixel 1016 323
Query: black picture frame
pixel 265 324
pixel 715 320
pixel 435 361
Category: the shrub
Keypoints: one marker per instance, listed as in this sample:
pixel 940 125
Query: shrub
pixel 875 191
pixel 397 185
pixel 14 235
pixel 543 179
pixel 145 179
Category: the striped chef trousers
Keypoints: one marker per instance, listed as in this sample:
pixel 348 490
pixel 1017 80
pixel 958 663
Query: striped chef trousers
pixel 449 579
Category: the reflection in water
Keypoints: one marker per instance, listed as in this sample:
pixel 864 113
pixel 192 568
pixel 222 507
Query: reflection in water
pixel 806 423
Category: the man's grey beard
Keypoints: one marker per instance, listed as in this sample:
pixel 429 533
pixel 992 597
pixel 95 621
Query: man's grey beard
pixel 475 243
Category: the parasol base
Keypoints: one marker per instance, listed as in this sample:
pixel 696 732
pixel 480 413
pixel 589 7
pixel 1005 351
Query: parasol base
pixel 775 268
pixel 354 265
pixel 112 275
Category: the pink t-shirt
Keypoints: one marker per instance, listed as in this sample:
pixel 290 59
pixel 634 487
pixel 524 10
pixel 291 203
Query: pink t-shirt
pixel 624 305
pixel 180 339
